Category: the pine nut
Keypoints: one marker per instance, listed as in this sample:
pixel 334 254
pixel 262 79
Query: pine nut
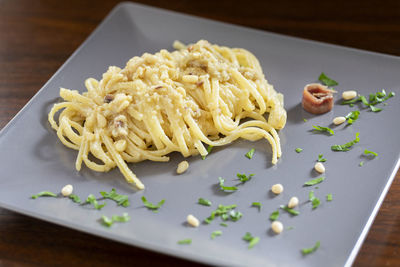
pixel 277 189
pixel 293 202
pixel 339 120
pixel 67 190
pixel 319 167
pixel 193 221
pixel 347 95
pixel 182 167
pixel 277 227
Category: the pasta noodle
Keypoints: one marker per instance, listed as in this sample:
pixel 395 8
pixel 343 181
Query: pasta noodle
pixel 169 101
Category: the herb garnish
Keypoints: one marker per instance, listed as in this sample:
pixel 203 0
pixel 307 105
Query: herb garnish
pixel 223 212
pixel 92 200
pixel 346 146
pixel 314 181
pixel 291 211
pixel 250 153
pixel 75 198
pixel 321 158
pixel 115 218
pixel 326 80
pixel 151 206
pixel 323 129
pixel 361 163
pixel 256 204
pixel 223 224
pixel 373 100
pixel 243 177
pixel 226 188
pixel 305 120
pixel 44 194
pixel 215 234
pixel 253 240
pixel 122 200
pixel 209 148
pixel 314 200
pixel 298 150
pixel 306 251
pixel 204 202
pixel 352 116
pixel 329 197
pixel 187 241
pixel 274 215
pixel 369 152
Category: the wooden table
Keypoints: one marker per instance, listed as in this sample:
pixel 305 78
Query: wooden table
pixel 36 37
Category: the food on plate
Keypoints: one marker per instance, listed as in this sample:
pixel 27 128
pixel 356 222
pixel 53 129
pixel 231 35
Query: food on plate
pixel 317 98
pixel 169 101
pixel 347 95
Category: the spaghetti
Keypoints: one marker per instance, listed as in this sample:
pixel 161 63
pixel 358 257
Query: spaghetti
pixel 169 101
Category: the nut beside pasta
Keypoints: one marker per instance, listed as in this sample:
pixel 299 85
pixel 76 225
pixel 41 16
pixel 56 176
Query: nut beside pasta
pixel 169 101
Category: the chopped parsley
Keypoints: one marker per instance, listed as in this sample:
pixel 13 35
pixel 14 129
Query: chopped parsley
pixel 250 153
pixel 186 241
pixel 225 188
pixel 225 212
pixel 329 197
pixel 314 181
pixel 306 251
pixel 305 120
pixel 92 200
pixel 321 158
pixel 252 240
pixel 215 234
pixel 256 204
pixel 122 200
pixel 289 210
pixel 314 200
pixel 361 163
pixel 326 80
pixel 298 150
pixel 151 206
pixel 352 116
pixel 346 146
pixel 115 218
pixel 44 194
pixel 223 224
pixel 369 152
pixel 274 215
pixel 289 228
pixel 75 198
pixel 243 177
pixel 323 129
pixel 204 202
pixel 373 100
pixel 209 148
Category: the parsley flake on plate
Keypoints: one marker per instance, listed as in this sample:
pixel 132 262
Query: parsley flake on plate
pixel 252 240
pixel 274 215
pixel 243 177
pixel 215 234
pixel 250 154
pixel 209 148
pixel 92 200
pixel 326 80
pixel 314 181
pixel 321 158
pixel 289 210
pixel 115 218
pixel 306 251
pixel 44 194
pixel 352 116
pixel 256 204
pixel 186 241
pixel 75 198
pixel 369 152
pixel 122 200
pixel 323 129
pixel 329 197
pixel 226 188
pixel 151 206
pixel 314 200
pixel 204 202
pixel 298 150
pixel 347 146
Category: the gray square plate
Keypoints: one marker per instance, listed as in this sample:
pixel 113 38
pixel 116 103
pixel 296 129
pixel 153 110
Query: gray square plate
pixel 33 159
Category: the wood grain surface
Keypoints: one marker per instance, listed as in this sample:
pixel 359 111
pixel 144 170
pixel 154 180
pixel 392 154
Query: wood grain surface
pixel 36 37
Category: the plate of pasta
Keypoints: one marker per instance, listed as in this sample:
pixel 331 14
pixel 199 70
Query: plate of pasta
pixel 172 130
